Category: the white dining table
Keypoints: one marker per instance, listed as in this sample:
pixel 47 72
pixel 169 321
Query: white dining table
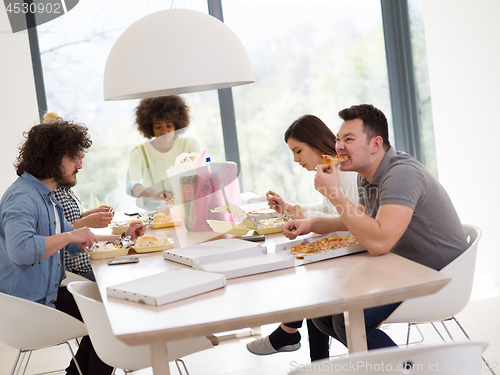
pixel 347 284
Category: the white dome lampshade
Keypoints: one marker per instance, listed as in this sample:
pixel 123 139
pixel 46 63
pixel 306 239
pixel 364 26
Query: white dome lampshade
pixel 175 51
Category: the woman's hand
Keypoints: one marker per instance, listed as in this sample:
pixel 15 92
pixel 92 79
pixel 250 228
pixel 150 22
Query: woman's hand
pixel 294 211
pixel 135 229
pixel 275 202
pixel 168 195
pixel 161 195
pixel 103 208
pixel 98 219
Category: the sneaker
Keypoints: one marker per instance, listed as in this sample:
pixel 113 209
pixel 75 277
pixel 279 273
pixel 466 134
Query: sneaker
pixel 263 346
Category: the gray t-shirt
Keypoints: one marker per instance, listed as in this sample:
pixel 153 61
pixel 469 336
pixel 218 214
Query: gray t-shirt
pixel 434 236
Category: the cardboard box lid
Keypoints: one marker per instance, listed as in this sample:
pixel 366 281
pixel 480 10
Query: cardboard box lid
pixel 168 286
pixel 214 251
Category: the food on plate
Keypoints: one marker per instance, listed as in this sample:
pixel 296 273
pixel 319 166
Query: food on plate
pixel 160 218
pixel 122 223
pixel 274 222
pixel 107 245
pixel 260 211
pixel 146 240
pixel 335 160
pixel 241 216
pixel 322 245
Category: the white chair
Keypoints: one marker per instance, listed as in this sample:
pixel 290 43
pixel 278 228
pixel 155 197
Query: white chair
pixel 113 351
pixel 70 277
pixel 450 300
pixel 457 358
pixel 28 326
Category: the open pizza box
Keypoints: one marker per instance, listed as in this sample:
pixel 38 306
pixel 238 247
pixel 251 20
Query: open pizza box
pixel 287 245
pixel 236 258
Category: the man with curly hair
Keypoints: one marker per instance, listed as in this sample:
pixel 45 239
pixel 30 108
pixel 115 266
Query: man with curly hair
pixel 163 120
pixel 34 233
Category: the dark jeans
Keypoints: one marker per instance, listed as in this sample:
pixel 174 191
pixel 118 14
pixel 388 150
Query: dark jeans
pixel 87 358
pixel 319 343
pixel 334 325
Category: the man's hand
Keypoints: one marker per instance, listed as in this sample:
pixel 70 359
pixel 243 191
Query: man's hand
pixel 327 181
pixel 83 237
pixel 135 229
pixel 295 228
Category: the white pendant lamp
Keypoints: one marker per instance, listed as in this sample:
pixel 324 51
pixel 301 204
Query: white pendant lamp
pixel 175 51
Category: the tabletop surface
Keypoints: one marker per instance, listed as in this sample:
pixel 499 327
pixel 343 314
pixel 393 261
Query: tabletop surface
pixel 328 287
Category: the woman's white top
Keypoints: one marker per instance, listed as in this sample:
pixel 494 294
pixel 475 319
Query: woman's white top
pixel 325 208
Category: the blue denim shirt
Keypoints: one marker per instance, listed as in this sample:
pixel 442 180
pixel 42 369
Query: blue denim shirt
pixel 26 218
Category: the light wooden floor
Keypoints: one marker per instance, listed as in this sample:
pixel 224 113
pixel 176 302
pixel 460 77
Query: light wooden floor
pixel 479 318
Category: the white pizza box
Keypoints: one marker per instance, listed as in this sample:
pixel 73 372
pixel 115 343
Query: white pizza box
pixel 214 251
pixel 238 267
pixel 287 246
pixel 168 286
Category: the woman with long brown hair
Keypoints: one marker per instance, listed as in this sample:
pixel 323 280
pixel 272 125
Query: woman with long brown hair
pixel 307 138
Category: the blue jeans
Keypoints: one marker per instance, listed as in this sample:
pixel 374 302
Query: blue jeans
pixel 334 325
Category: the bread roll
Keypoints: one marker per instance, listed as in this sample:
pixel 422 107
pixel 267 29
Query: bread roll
pixel 160 218
pixel 147 240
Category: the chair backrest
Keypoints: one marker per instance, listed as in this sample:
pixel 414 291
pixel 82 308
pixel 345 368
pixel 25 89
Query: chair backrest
pixel 444 358
pixel 113 351
pixel 29 325
pixel 452 298
pixel 70 277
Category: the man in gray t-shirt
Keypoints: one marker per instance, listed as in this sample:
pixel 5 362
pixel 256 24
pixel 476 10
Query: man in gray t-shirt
pixel 402 209
pixel 434 236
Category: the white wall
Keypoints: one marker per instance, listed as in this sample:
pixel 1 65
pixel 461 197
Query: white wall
pixel 464 68
pixel 18 105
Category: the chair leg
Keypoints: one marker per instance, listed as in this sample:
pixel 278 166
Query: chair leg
pixel 177 361
pixel 449 334
pixel 16 362
pixel 437 330
pixel 74 358
pixel 25 353
pixel 466 335
pixel 408 334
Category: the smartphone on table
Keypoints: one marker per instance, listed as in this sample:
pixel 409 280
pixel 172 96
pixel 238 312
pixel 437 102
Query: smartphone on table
pixel 114 262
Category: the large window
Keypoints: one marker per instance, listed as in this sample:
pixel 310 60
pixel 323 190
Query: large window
pixel 315 57
pixel 312 57
pixel 422 83
pixel 74 49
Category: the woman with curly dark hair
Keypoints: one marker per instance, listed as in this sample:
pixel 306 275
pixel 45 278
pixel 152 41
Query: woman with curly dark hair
pixel 163 120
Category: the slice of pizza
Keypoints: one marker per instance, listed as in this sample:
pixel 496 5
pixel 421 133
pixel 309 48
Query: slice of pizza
pixel 325 244
pixel 335 160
